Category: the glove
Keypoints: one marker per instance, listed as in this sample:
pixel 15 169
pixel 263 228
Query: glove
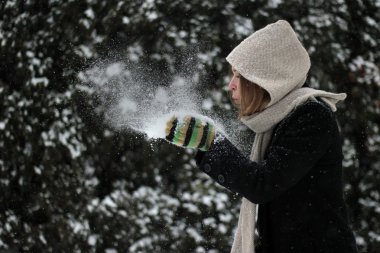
pixel 190 132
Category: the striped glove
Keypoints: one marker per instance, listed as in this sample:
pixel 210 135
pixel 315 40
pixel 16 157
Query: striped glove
pixel 190 132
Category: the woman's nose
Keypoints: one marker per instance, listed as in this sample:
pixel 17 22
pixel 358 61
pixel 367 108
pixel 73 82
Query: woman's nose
pixel 232 85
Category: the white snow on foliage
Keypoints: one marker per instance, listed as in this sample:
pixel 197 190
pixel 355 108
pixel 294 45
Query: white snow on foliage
pixel 143 242
pixel 371 70
pixel 37 80
pixel 109 202
pixel 274 3
pixel 92 240
pixel 148 206
pixel 195 235
pixel 90 13
pixel 243 26
pixel 42 239
pixel 85 51
pixel 126 20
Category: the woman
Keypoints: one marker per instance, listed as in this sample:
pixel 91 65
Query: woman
pixel 294 173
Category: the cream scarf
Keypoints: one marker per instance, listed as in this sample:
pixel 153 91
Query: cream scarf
pixel 262 124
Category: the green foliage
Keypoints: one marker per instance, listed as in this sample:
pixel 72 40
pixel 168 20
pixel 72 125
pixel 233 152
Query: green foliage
pixel 72 183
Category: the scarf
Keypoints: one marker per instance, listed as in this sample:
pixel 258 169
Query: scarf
pixel 263 123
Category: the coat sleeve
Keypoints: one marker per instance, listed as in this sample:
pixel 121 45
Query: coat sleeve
pixel 297 146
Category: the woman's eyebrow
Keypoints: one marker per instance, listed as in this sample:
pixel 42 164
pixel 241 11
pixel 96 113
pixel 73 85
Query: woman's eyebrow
pixel 235 72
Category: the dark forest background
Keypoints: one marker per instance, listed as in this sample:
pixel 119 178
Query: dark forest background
pixel 71 183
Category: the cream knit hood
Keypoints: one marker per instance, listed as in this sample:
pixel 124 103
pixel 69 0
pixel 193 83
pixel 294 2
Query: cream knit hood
pixel 278 62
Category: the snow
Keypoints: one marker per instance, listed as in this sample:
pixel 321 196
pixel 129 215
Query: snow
pixel 374 236
pixel 36 61
pixel 140 105
pixel 47 139
pixel 10 4
pixel 86 51
pixel 135 52
pixel 148 4
pixel 92 240
pixel 372 72
pixel 225 217
pixel 153 211
pixel 127 105
pixel 200 249
pixel 126 20
pixel 75 225
pixel 207 58
pixel 194 234
pixel 360 240
pixel 123 213
pixel 183 34
pixel 371 21
pixel 192 208
pixel 37 170
pixel 30 54
pixel 109 202
pixel 74 146
pixel 156 127
pixel 161 96
pixel 90 13
pixel 114 69
pixel 42 239
pixel 207 104
pixel 243 26
pixel 207 200
pixel 274 3
pixel 37 80
pixel 222 228
pixel 140 243
pixel 110 250
pixel 151 16
pixel 85 23
pixel 210 222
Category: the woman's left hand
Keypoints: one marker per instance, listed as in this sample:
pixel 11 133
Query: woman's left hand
pixel 190 132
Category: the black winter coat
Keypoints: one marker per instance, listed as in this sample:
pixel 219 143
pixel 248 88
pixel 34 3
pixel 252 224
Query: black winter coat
pixel 298 185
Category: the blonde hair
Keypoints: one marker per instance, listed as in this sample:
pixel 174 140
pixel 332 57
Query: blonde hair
pixel 253 98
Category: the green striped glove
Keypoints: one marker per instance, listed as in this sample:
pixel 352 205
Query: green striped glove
pixel 190 132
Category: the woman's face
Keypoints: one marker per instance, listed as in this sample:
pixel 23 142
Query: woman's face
pixel 234 87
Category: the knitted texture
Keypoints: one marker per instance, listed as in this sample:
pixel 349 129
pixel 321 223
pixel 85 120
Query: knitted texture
pixel 273 58
pixel 191 132
pixel 265 120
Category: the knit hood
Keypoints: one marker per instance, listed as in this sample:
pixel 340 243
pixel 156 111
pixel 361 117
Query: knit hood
pixel 272 58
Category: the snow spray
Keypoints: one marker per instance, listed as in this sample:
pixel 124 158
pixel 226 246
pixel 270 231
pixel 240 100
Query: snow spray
pixel 131 99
